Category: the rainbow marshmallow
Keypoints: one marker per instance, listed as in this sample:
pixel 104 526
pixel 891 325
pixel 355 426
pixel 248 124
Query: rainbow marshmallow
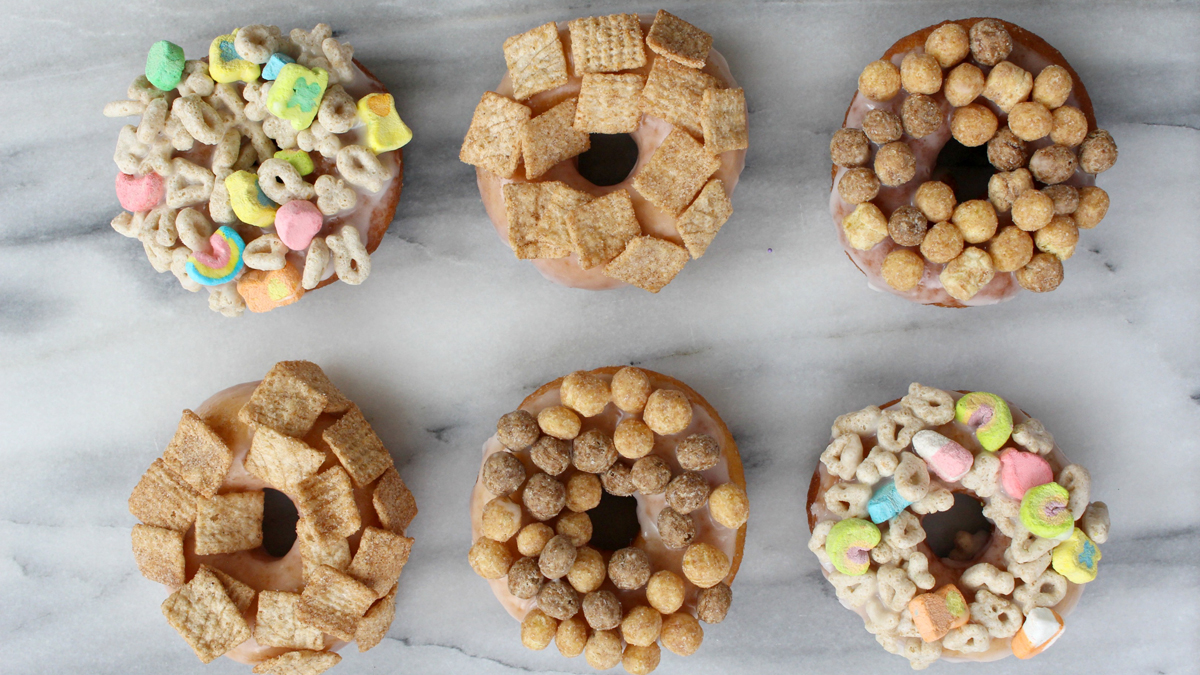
pixel 935 614
pixel 1042 628
pixel 1044 511
pixel 223 264
pixel 988 415
pixel 250 204
pixel 886 503
pixel 1077 558
pixel 385 130
pixel 1020 471
pixel 849 544
pixel 949 460
pixel 297 93
pixel 224 64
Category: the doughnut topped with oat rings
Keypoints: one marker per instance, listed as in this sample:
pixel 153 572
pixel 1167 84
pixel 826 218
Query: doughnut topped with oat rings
pixel 966 166
pixel 609 152
pixel 264 170
pixel 276 519
pixel 610 516
pixel 954 526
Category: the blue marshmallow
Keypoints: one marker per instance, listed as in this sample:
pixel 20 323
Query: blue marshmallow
pixel 886 503
pixel 274 64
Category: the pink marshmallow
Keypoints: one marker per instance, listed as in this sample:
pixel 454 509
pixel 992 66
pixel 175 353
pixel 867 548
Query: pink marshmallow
pixel 945 458
pixel 297 222
pixel 139 193
pixel 1021 471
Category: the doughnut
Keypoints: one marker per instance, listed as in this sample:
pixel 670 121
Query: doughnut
pixel 610 516
pixel 1005 591
pixel 654 84
pixel 973 221
pixel 264 170
pixel 246 580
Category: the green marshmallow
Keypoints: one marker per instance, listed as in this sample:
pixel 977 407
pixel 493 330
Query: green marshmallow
pixel 164 65
pixel 297 158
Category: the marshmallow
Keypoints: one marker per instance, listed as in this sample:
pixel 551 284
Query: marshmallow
pixel 1077 558
pixel 164 65
pixel 849 544
pixel 949 460
pixel 886 503
pixel 266 290
pixel 1044 511
pixel 935 614
pixel 224 64
pixel 988 415
pixel 140 193
pixel 299 159
pixel 251 205
pixel 297 222
pixel 223 264
pixel 1020 471
pixel 385 130
pixel 296 94
pixel 278 60
pixel 1042 628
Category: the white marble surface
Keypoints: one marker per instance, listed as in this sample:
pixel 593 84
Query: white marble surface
pixel 98 354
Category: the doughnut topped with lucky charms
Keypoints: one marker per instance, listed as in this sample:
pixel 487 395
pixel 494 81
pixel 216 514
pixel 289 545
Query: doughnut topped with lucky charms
pixel 998 592
pixel 266 169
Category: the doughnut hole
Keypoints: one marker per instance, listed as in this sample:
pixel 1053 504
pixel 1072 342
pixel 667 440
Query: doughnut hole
pixel 651 475
pixel 976 219
pixel 503 473
pixel 858 185
pixel 698 452
pixel 948 44
pixel 1011 249
pixel 943 242
pixel 687 492
pixel 629 568
pixel 602 610
pixel 963 85
pixel 593 451
pixel 1070 126
pixel 681 633
pixel 1006 152
pixel 558 600
pixel 729 504
pixel 936 201
pixel 921 115
pixel 849 148
pixel 1043 273
pixel 713 603
pixel 571 637
pixel 557 557
pixel 1059 237
pixel 665 591
pixel 517 430
pixel 990 42
pixel 532 539
pixel 583 492
pixel 895 164
pixel 551 455
pixel 575 526
pixel 279 523
pixel 705 565
pixel 617 480
pixel 609 160
pixel 525 579
pixel 1053 164
pixel 1030 120
pixel 906 227
pixel 614 522
pixel 544 496
pixel 603 649
pixel 902 269
pixel 633 439
pixel 639 660
pixel 538 630
pixel 676 530
pixel 589 571
pixel 1032 211
pixel 667 412
pixel 559 421
pixel 942 529
pixel 586 393
pixel 630 389
pixel 973 125
pixel 964 276
pixel 1007 85
pixel 882 127
pixel 865 227
pixel 501 519
pixel 1052 86
pixel 489 558
pixel 1006 187
pixel 1098 152
pixel 1065 197
pixel 920 73
pixel 641 626
pixel 879 81
pixel 1092 207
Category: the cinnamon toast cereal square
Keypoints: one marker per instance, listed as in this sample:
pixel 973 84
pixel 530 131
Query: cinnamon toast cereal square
pixel 609 103
pixel 675 93
pixel 678 40
pixel 601 228
pixel 521 210
pixel 723 118
pixel 276 624
pixel 312 374
pixel 676 171
pixel 493 141
pixel 556 202
pixel 203 615
pixel 285 403
pixel 380 559
pixel 299 662
pixel 198 455
pixel 357 447
pixel 394 503
pixel 550 138
pixel 241 594
pixel 326 502
pixel 159 554
pixel 648 263
pixel 536 61
pixel 334 602
pixel 281 461
pixel 374 625
pixel 607 44
pixel 229 523
pixel 699 224
pixel 317 549
pixel 537 218
pixel 162 499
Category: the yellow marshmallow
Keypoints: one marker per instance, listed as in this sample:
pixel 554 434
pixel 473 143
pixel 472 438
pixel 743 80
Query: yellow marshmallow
pixel 385 130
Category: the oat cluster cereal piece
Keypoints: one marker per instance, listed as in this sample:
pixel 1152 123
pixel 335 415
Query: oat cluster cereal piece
pixel 885 469
pixel 188 508
pixel 236 166
pixel 623 73
pixel 968 80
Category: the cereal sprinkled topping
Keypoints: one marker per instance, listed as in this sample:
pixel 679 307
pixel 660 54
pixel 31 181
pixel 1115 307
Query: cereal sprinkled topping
pixel 948 43
pixel 551 455
pixel 633 439
pixel 665 591
pixel 524 578
pixel 589 570
pixel 698 452
pixel 641 626
pixel 533 537
pixel 681 633
pixel 489 558
pixel 858 185
pixel 882 127
pixel 537 629
pixel 557 557
pixel 907 226
pixel 583 492
pixel 729 505
pixel 559 421
pixel 617 480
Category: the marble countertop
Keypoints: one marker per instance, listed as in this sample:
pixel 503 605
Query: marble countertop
pixel 98 354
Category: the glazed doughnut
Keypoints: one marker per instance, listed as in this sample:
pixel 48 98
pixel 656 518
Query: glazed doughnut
pixel 267 169
pixel 669 92
pixel 923 231
pixel 202 510
pixel 611 509
pixel 995 594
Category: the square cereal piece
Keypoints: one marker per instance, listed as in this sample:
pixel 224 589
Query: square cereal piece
pixel 374 625
pixel 556 202
pixel 678 40
pixel 394 503
pixel 536 61
pixel 606 44
pixel 241 594
pixel 648 263
pixel 334 602
pixel 609 103
pixel 162 499
pixel 521 210
pixel 281 461
pixel 493 142
pixel 357 447
pixel 299 662
pixel 550 138
pixel 277 626
pixel 317 550
pixel 229 523
pixel 537 218
pixel 723 118
pixel 312 374
pixel 284 402
pixel 699 224
pixel 675 93
pixel 198 455
pixel 159 554
pixel 380 559
pixel 601 228
pixel 326 501
pixel 675 173
pixel 202 613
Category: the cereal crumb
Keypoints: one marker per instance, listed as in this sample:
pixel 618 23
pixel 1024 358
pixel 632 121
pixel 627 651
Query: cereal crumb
pixel 967 274
pixel 865 227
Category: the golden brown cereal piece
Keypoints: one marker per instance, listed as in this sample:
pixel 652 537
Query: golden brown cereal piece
pixel 1093 206
pixel 964 276
pixel 723 120
pixel 907 225
pixel 557 557
pixel 198 455
pixel 550 237
pixel 551 455
pixel 603 649
pixel 713 603
pixel 675 529
pixel 536 61
pixel 558 599
pixel 633 439
pixel 571 637
pixel 374 625
pixel 276 624
pixel 537 629
pixel 602 610
pixel 1066 198
pixel 641 660
pixel 729 504
pixel 948 44
pixel 575 526
pixel 551 138
pixel 649 263
pixel 606 44
pixel 299 662
pixel 698 452
pixel 895 163
pixel 973 125
pixel 583 492
pixel 585 392
pixel 1032 210
pixel 544 496
pixel 1043 273
pixel 1006 152
pixel 229 523
pixel 502 473
pixel 589 570
pixel 990 42
pixel 1053 164
pixel 311 374
pixel 593 451
pixel 976 219
pixel 163 499
pixel 858 185
pixel 879 81
pixel 601 228
pixel 882 127
pixel 629 568
pixel 1059 237
pixel 1011 249
pixel 326 501
pixel 675 93
pixel 920 73
pixel 631 387
pixel 524 578
pixel 676 172
pixel 357 447
pixel 964 84
pixel 334 602
pixel 1007 85
pixel 850 148
pixel 159 554
pixel 1052 86
pixel 521 212
pixel 1030 120
pixel 381 557
pixel 681 633
pixel 393 502
pixel 617 481
pixel 204 615
pixel 533 537
pixel 936 201
pixel 1070 126
pixel 921 115
pixel 651 475
pixel 865 227
pixel 641 626
pixel 665 591
pixel 489 558
pixel 609 103
pixel 241 594
pixel 517 430
pixel 667 412
pixel 493 141
pixel 678 40
pixel 1098 153
pixel 943 242
pixel 902 269
pixel 281 461
pixel 316 549
pixel 1005 187
pixel 286 403
pixel 705 565
pixel 687 492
